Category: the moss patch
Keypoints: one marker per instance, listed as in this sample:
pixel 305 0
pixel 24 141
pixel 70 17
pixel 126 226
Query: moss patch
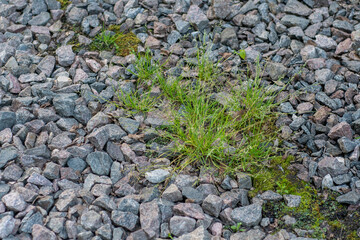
pixel 320 214
pixel 113 40
pixel 64 4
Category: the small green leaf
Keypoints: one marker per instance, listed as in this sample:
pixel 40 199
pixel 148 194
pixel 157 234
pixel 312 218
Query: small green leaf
pixel 242 54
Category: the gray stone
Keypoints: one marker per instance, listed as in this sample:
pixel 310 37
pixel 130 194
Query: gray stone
pixel 244 180
pixel 297 8
pixel 199 233
pixel 82 114
pixel 99 138
pixel 29 221
pixel 40 20
pixel 37 179
pixel 7 224
pixel 352 197
pixel 7 154
pixel 38 6
pixel 181 225
pixel 343 25
pixel 14 201
pixel 270 196
pixel 196 16
pixel 129 125
pixel 64 105
pixel 292 21
pixel 40 232
pixel 91 220
pixel 172 193
pixel 100 163
pixel 65 55
pixel 333 166
pixel 248 216
pixel 129 205
pixel 7 120
pixel 229 38
pixel 346 145
pixel 221 8
pixel 105 232
pixel 325 42
pixel 212 205
pixel 126 220
pixel 326 100
pixel 292 200
pixel 150 218
pixel 157 176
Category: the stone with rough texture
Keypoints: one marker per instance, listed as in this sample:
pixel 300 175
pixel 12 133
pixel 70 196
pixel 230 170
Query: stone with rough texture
pixel 248 216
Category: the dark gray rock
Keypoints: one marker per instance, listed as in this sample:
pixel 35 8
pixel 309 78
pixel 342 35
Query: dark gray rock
pixel 7 120
pixel 212 205
pixel 352 197
pixel 100 163
pixel 248 216
pixel 65 55
pixel 126 220
pixel 181 225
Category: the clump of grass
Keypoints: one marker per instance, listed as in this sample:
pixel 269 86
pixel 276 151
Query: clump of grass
pixel 229 136
pixel 121 43
pixel 145 66
pixel 135 101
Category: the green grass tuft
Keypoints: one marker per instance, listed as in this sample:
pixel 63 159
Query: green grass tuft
pixel 121 43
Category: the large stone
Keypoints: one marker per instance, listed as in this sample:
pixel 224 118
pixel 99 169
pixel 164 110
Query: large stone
pixel 212 205
pixel 196 16
pixel 198 234
pixel 325 42
pixel 221 8
pixel 276 70
pixel 65 55
pixel 297 8
pixel 181 225
pixel 333 166
pixel 14 201
pixel 229 38
pixel 248 216
pixel 7 224
pixel 7 120
pixel 91 220
pixel 157 176
pixel 126 220
pixel 352 197
pixel 40 233
pixel 292 21
pixel 342 129
pixel 150 217
pixel 100 163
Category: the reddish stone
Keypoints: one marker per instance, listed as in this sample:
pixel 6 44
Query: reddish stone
pixel 342 129
pixel 321 114
pixel 316 63
pixel 190 210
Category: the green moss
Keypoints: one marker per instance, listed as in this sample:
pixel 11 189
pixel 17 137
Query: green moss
pixel 113 40
pixel 64 4
pixel 315 211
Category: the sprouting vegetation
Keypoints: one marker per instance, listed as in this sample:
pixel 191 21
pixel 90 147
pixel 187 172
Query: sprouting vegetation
pixel 121 43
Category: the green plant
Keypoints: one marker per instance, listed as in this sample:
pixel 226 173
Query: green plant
pixel 282 188
pixel 104 41
pixel 122 43
pixel 135 101
pixel 237 228
pixel 170 236
pixel 145 66
pixel 241 53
